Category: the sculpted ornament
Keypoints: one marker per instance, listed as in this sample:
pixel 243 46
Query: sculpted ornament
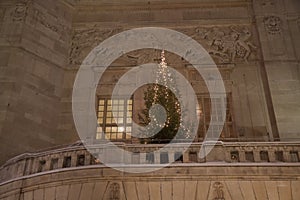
pixel 228 43
pixel 114 191
pixel 218 191
pixel 83 41
pixel 272 25
pixel 20 11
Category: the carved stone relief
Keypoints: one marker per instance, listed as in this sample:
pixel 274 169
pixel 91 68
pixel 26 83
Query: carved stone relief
pixel 273 27
pixel 267 3
pixel 114 191
pixel 226 43
pixel 218 190
pixel 84 40
pixel 19 12
pixel 272 24
pixel 142 57
pixel 52 23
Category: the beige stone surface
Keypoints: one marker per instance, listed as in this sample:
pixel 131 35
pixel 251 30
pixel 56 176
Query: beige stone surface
pixel 99 190
pixel 154 190
pixel 42 44
pixel 74 191
pixel 247 190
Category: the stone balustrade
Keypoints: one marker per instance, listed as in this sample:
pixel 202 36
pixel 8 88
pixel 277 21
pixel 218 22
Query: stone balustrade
pixel 222 153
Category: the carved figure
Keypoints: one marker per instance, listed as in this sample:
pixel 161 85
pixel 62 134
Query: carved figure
pixel 114 191
pixel 227 43
pixel 242 40
pixel 218 191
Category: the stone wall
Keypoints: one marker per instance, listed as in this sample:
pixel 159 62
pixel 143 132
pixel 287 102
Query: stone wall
pixel 278 26
pixel 176 182
pixel 34 44
pixel 43 43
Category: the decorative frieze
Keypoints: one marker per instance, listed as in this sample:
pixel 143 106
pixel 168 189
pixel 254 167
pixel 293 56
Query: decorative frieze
pixel 227 43
pixel 84 40
pixel 51 23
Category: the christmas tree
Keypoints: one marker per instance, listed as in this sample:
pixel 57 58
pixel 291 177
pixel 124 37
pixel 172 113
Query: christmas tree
pixel 165 93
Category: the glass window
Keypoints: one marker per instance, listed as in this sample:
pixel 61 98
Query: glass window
pixel 115 118
pixel 150 158
pixel 203 110
pixel 164 157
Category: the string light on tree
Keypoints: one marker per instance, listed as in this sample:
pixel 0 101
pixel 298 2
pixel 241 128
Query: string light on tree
pixel 161 93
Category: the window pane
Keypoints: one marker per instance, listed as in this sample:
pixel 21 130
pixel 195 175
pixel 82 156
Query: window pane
pixel 120 135
pixel 113 136
pixel 120 120
pixel 114 129
pixel 101 108
pixel 101 102
pixel 120 129
pixel 109 120
pixel 99 136
pixel 128 129
pixel 99 129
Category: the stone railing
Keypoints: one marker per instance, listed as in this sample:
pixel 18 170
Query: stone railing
pixel 77 156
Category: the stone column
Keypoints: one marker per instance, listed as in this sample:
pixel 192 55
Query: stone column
pixel 171 156
pixel 286 156
pixel 142 158
pixel 242 156
pixel 271 154
pixel 256 156
pixel 74 159
pixel 157 157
